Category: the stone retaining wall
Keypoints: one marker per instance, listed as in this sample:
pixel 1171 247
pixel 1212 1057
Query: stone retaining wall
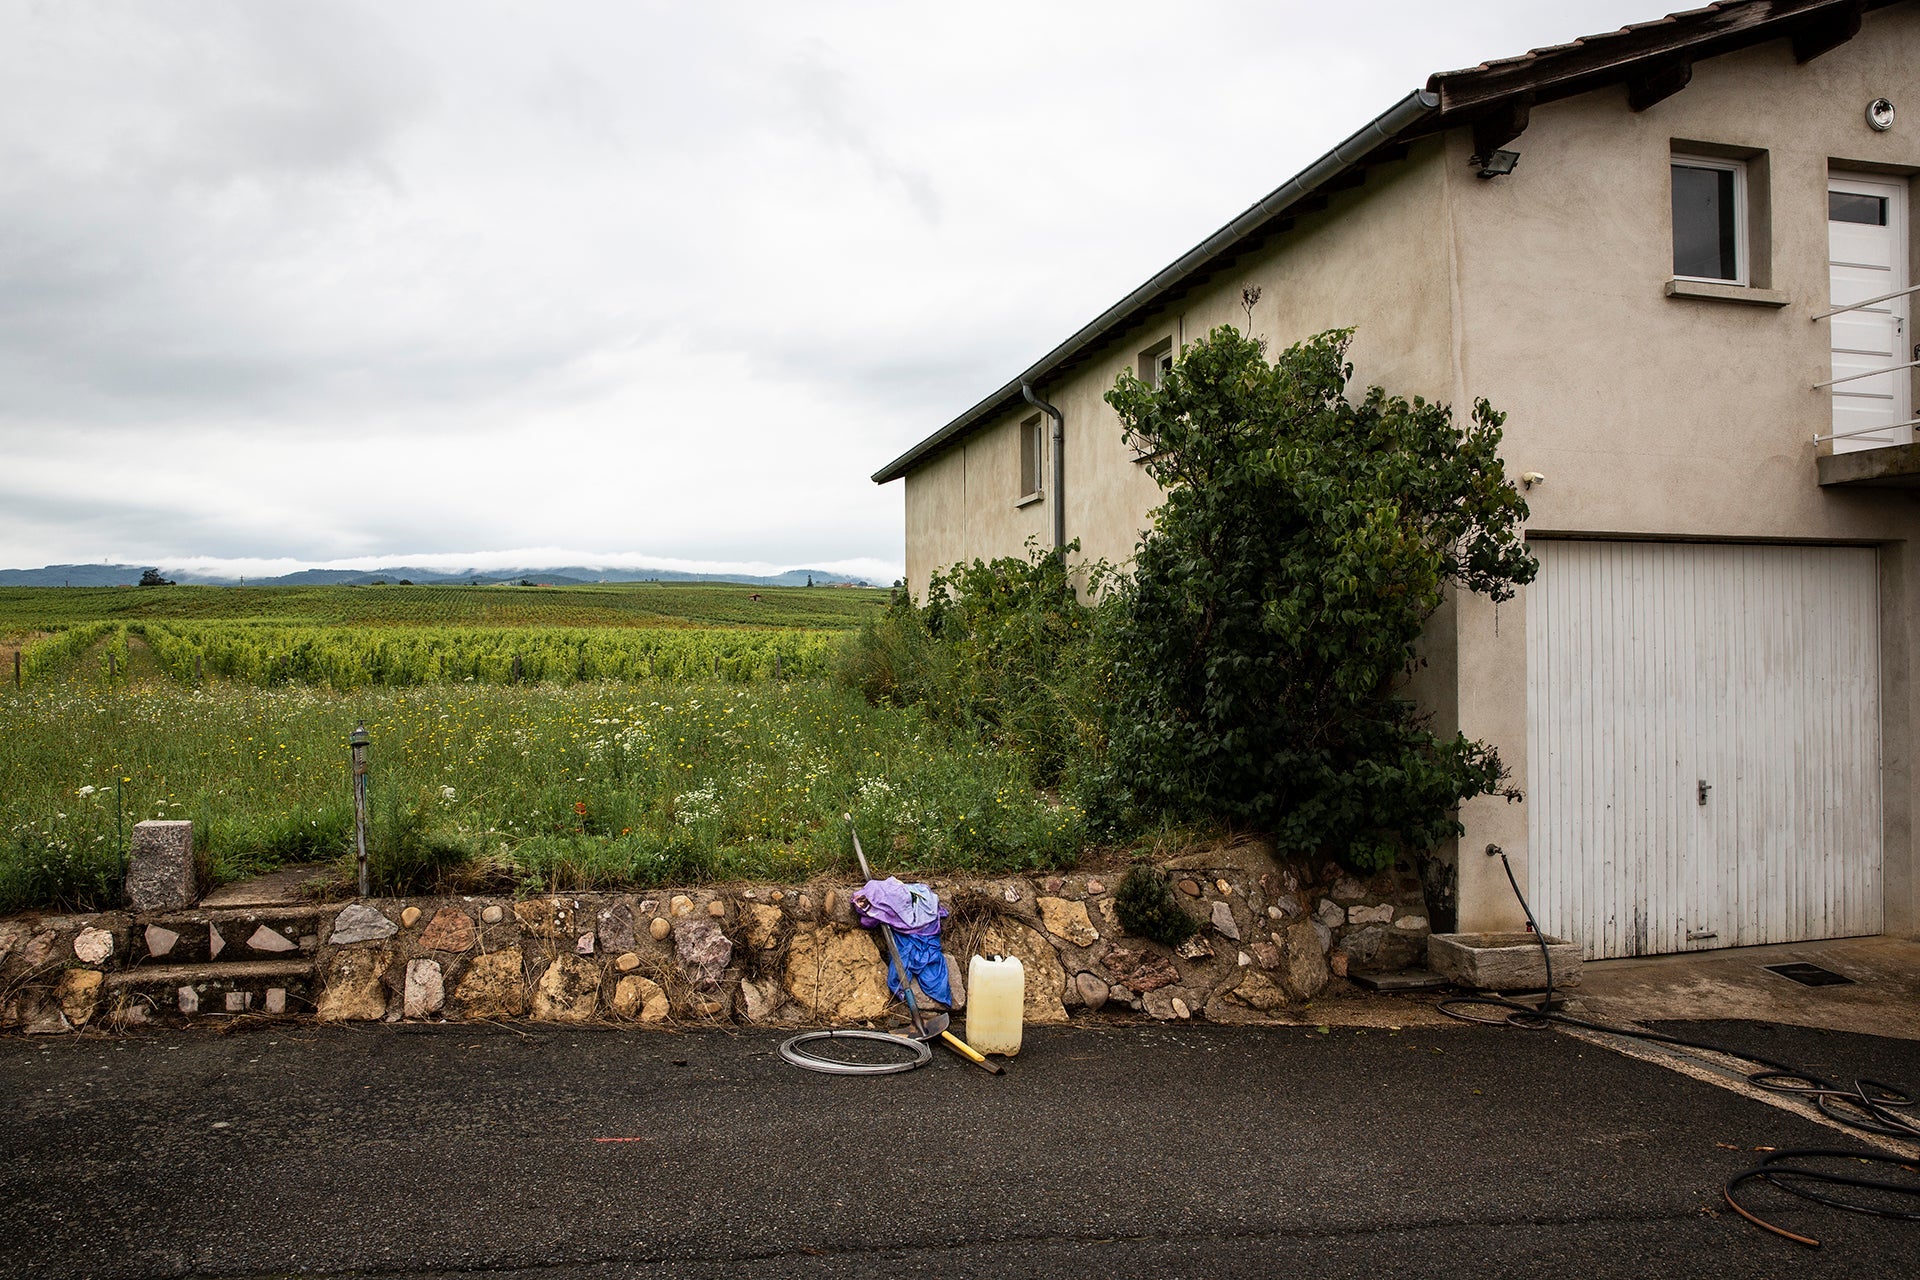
pixel 1272 938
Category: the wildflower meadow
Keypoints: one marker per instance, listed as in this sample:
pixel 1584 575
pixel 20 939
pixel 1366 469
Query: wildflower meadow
pixel 551 782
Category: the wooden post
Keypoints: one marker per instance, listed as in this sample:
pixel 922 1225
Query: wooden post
pixel 516 668
pixel 776 666
pixel 716 666
pixel 649 666
pixel 199 673
pixel 113 665
pixel 16 668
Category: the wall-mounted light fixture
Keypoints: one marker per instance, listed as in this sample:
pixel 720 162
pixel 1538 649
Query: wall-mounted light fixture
pixel 1528 479
pixel 1497 165
pixel 1880 115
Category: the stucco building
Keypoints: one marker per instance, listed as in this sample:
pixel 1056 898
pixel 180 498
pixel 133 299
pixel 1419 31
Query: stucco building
pixel 1634 245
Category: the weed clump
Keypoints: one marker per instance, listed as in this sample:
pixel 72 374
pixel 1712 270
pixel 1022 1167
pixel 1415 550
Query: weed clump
pixel 1147 908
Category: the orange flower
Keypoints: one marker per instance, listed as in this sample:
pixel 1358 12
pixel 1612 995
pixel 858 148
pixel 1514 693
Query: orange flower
pixel 580 807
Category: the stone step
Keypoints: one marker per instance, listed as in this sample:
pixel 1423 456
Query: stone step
pixel 198 937
pixel 286 887
pixel 166 992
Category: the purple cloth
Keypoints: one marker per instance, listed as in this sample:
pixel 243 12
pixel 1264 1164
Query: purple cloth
pixel 912 909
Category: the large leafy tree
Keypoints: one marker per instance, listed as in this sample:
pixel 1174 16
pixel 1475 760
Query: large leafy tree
pixel 1304 541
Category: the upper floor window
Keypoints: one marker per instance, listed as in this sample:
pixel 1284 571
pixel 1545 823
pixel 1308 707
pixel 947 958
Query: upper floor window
pixel 1033 456
pixel 1156 362
pixel 1710 219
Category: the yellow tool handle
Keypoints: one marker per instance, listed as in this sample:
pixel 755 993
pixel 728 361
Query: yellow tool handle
pixel 970 1053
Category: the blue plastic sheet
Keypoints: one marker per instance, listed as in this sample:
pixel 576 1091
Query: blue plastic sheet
pixel 924 959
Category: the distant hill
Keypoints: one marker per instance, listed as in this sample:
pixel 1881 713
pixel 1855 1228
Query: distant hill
pixel 126 575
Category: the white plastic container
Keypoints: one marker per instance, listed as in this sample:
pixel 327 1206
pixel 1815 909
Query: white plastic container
pixel 996 1004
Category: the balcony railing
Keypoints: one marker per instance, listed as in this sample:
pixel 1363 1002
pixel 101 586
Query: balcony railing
pixel 1822 437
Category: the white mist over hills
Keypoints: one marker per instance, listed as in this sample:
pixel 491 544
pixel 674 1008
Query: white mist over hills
pixel 549 563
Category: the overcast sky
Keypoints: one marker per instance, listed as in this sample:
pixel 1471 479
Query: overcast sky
pixel 625 283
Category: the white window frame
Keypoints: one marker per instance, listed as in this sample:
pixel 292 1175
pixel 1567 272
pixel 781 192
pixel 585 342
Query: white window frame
pixel 1742 248
pixel 1032 437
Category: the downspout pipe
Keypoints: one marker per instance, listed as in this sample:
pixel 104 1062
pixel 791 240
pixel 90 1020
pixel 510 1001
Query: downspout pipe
pixel 1058 480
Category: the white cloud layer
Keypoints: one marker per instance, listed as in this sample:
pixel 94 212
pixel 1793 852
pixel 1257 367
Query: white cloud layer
pixel 310 283
pixel 532 558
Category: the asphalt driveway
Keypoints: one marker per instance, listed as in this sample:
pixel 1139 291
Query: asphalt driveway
pixel 1111 1152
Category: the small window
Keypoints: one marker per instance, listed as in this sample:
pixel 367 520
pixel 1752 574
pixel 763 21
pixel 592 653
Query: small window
pixel 1850 206
pixel 1033 456
pixel 1156 362
pixel 1710 219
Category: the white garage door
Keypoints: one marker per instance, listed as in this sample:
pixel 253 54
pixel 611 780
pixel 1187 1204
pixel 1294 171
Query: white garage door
pixel 1703 744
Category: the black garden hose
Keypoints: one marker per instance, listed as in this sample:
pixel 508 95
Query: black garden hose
pixel 1870 1106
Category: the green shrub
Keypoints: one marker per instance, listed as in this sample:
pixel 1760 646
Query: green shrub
pixel 1005 650
pixel 1269 629
pixel 1146 906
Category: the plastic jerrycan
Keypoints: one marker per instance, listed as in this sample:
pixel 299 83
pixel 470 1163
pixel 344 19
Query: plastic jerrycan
pixel 996 1003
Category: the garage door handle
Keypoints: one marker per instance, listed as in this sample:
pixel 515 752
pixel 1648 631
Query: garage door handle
pixel 1705 787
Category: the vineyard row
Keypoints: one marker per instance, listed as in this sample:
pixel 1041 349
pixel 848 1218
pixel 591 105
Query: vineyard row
pixel 347 658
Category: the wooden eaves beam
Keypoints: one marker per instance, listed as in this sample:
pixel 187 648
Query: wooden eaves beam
pixel 1657 84
pixel 1827 31
pixel 1500 125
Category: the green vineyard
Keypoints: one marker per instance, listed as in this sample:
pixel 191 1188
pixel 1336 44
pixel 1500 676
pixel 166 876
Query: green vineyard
pixel 399 656
pixel 690 604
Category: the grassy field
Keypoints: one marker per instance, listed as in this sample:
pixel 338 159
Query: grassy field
pixel 30 609
pixel 348 637
pixel 552 782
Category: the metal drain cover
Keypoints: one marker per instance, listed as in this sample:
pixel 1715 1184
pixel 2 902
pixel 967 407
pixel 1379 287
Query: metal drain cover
pixel 1808 975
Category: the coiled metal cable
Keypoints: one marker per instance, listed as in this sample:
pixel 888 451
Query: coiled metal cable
pixel 795 1052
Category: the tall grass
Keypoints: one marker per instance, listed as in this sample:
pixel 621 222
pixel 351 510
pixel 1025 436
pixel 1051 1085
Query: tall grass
pixel 568 787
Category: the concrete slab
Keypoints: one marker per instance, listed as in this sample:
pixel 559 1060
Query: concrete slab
pixel 285 887
pixel 1883 1000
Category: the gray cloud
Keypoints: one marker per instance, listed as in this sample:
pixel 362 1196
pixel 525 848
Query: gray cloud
pixel 343 279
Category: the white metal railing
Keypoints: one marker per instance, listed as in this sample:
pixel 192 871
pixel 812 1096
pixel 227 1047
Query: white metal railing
pixel 1867 431
pixel 1871 373
pixel 1867 302
pixel 1820 438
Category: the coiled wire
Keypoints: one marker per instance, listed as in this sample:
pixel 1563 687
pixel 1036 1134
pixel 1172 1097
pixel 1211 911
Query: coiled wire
pixel 795 1052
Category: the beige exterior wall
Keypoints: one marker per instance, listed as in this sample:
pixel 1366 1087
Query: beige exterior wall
pixel 1376 258
pixel 1663 417
pixel 1545 292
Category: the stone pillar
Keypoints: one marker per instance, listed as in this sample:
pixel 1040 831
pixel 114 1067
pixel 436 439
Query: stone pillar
pixel 160 866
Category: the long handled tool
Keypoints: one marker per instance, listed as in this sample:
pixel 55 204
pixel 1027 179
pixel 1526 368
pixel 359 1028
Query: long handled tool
pixel 926 1026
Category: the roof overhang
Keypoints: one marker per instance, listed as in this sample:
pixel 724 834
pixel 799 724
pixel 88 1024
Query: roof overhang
pixel 1652 59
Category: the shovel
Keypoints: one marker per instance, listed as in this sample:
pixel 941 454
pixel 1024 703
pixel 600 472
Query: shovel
pixel 927 1027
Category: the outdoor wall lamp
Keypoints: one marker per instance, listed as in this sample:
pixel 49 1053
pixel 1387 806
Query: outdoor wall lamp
pixel 1528 479
pixel 1499 164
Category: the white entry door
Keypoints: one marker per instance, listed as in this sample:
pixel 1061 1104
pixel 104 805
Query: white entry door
pixel 1703 746
pixel 1867 257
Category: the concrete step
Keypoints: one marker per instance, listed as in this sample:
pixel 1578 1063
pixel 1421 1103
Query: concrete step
pixel 201 936
pixel 156 992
